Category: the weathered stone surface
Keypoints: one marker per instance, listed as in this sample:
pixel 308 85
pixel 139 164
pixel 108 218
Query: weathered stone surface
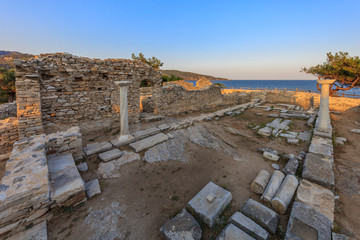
pixel 273 186
pixel 110 155
pixel 307 223
pixel 304 136
pixel 318 169
pixel 67 186
pixel 273 151
pixel 337 236
pixel 262 215
pixel 275 166
pixel 266 131
pixel 291 166
pixel 259 184
pixel 149 142
pixel 292 140
pixel 97 147
pixel 280 124
pixel 232 232
pixel 92 188
pixel 123 140
pixel 164 127
pixel 340 140
pixel 82 167
pixel 37 232
pixel 317 197
pixel 111 169
pixel 285 193
pixel 145 133
pixel 249 226
pixel 320 145
pixel 270 156
pixel 206 211
pixel 182 226
pixel 355 131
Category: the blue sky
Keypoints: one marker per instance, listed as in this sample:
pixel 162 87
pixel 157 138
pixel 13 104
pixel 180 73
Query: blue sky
pixel 260 39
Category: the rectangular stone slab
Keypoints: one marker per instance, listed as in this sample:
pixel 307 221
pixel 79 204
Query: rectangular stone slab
pixel 145 133
pixel 249 226
pixel 110 155
pixel 321 146
pixel 261 214
pixel 232 232
pixel 307 223
pixel 149 142
pixel 206 211
pixel 97 147
pixel 318 169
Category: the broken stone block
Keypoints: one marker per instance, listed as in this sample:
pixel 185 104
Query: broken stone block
pixel 232 232
pixel 337 236
pixel 317 197
pixel 149 142
pixel 111 169
pixel 92 188
pixel 280 124
pixel 307 223
pixel 261 214
pixel 145 133
pixel 97 147
pixel 152 119
pixel 262 150
pixel 273 186
pixel 355 131
pixel 291 166
pixel 292 140
pixel 304 136
pixel 266 131
pixel 37 232
pixel 318 169
pixel 110 155
pixel 270 156
pixel 321 146
pixel 206 211
pixel 275 166
pixel 249 226
pixel 340 140
pixel 164 127
pixel 285 193
pixel 82 167
pixel 182 226
pixel 259 184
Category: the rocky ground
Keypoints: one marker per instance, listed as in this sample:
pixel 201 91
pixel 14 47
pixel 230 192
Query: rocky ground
pixel 147 194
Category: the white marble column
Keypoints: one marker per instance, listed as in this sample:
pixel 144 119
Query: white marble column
pixel 324 115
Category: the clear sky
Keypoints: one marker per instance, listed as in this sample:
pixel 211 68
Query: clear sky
pixel 262 39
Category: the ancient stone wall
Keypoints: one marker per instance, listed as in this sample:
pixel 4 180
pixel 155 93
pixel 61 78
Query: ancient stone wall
pixel 8 133
pixel 64 90
pixel 8 110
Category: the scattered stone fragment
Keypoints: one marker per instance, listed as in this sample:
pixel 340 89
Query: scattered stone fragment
pixel 276 132
pixel 207 119
pixel 337 236
pixel 291 166
pixel 82 167
pixel 292 140
pixel 259 184
pixel 170 136
pixel 37 232
pixel 145 133
pixel 111 169
pixel 163 127
pixel 340 140
pixel 317 197
pixel 266 131
pixel 270 156
pixel 92 188
pixel 262 150
pixel 289 135
pixel 273 186
pixel 259 114
pixel 152 118
pixel 285 193
pixel 97 147
pixel 231 232
pixel 304 136
pixel 307 223
pixel 206 211
pixel 149 142
pixel 248 226
pixel 110 155
pixel 275 166
pixel 262 215
pixel 318 169
pixel 280 124
pixel 182 226
pixel 273 115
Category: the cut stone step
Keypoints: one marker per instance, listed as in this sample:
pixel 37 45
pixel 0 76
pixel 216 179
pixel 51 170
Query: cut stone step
pixel 231 232
pixel 249 226
pixel 67 187
pixel 37 232
pixel 149 142
pixel 182 226
pixel 164 127
pixel 97 147
pixel 318 169
pixel 110 155
pixel 261 214
pixel 208 211
pixel 145 133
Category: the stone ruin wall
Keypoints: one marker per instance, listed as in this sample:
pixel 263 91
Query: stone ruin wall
pixel 8 134
pixel 56 90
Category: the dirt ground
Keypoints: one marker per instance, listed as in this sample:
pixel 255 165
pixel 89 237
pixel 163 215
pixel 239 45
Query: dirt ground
pixel 347 173
pixel 149 194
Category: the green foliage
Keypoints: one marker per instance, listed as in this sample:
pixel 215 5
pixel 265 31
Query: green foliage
pixel 340 66
pixel 166 78
pixel 7 84
pixel 153 61
pixel 145 83
pixel 220 85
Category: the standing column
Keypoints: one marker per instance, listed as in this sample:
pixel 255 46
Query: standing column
pixel 324 115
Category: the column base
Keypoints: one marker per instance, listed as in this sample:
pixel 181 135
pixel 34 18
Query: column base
pixel 123 140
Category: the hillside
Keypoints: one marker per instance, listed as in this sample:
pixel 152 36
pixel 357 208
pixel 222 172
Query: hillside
pixel 7 58
pixel 190 75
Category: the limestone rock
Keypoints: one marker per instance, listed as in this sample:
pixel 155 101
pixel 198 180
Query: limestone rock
pixel 110 155
pixel 164 127
pixel 182 226
pixel 305 136
pixel 270 156
pixel 233 233
pixel 97 147
pixel 266 131
pixel 248 226
pixel 149 142
pixel 291 166
pixel 318 169
pixel 206 211
pixel 92 188
pixel 340 140
pixel 111 169
pixel 355 131
pixel 82 167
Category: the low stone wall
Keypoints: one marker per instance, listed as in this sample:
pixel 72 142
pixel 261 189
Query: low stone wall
pixel 8 132
pixel 8 110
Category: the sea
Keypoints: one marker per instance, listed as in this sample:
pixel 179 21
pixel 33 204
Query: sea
pixel 305 85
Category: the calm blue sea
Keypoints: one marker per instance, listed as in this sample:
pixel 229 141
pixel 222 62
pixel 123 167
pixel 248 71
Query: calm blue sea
pixel 309 85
